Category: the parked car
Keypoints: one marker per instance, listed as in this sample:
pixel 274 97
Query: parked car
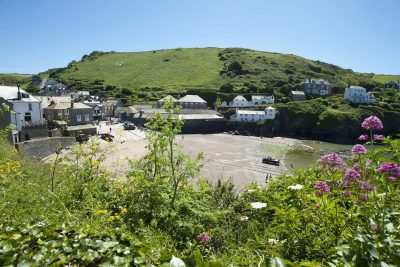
pixel 107 137
pixel 271 161
pixel 129 125
pixel 82 138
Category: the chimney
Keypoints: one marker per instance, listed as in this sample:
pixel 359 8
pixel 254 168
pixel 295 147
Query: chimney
pixel 19 93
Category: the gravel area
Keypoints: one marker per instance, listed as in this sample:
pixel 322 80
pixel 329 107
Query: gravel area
pixel 226 157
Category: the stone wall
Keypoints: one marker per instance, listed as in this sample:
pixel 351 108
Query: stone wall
pixel 42 148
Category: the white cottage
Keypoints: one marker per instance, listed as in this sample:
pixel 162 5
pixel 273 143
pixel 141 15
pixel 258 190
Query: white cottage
pixel 262 99
pixel 239 101
pixel 26 109
pixel 254 115
pixel 358 94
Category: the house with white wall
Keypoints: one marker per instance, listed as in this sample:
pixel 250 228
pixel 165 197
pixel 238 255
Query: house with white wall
pixel 241 101
pixel 254 115
pixel 262 100
pixel 358 95
pixel 25 109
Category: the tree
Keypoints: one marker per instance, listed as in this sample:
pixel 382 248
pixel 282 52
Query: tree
pixel 226 88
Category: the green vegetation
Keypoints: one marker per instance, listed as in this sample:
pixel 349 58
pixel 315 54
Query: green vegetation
pixel 147 76
pixel 14 79
pixel 381 78
pixel 73 212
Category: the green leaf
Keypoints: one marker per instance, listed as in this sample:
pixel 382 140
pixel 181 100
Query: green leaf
pixel 276 262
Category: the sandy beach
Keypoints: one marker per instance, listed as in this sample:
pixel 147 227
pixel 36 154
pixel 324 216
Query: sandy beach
pixel 225 157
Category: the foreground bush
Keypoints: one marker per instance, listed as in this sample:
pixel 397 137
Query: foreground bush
pixel 338 213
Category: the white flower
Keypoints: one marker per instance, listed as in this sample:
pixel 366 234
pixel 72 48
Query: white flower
pixel 244 218
pixel 176 262
pixel 258 205
pixel 295 187
pixel 273 241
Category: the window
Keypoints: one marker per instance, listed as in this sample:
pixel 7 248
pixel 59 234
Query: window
pixel 30 107
pixel 59 112
pixel 78 117
pixel 86 117
pixel 28 117
pixel 66 112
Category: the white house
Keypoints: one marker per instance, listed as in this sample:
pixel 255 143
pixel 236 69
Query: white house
pixel 358 94
pixel 79 95
pixel 262 99
pixel 240 101
pixel 26 109
pixel 254 115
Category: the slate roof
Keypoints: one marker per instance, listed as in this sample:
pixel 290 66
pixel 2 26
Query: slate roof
pixel 64 105
pixel 297 93
pixel 239 97
pixel 316 81
pixel 250 112
pixel 46 100
pixel 11 93
pixel 166 98
pixel 192 99
pixel 128 110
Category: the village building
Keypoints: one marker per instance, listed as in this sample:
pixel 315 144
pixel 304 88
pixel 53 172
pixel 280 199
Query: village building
pixel 77 96
pixel 69 113
pixel 95 104
pixel 53 88
pixel 25 113
pixel 262 100
pixel 254 115
pixel 394 85
pixel 109 107
pixel 126 113
pixel 160 103
pixel 297 96
pixel 192 102
pixel 317 87
pixel 358 95
pixel 240 101
pixel 196 120
pixel 27 109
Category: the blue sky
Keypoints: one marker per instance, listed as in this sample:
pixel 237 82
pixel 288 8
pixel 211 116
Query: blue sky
pixel 363 35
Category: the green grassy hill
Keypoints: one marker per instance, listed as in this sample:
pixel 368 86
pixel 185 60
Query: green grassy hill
pixel 153 74
pixel 381 78
pixel 14 79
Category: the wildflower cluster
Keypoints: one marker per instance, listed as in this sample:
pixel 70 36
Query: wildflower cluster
pixel 392 170
pixel 331 162
pixel 203 238
pixel 371 123
pixel 321 188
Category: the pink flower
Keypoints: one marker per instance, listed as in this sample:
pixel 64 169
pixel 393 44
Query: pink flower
pixel 347 193
pixel 358 150
pixel 352 174
pixel 204 238
pixel 347 183
pixel 356 166
pixel 363 137
pixel 390 168
pixel 372 123
pixel 321 188
pixel 363 197
pixel 392 179
pixel 364 186
pixel 317 205
pixel 378 137
pixel 331 162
